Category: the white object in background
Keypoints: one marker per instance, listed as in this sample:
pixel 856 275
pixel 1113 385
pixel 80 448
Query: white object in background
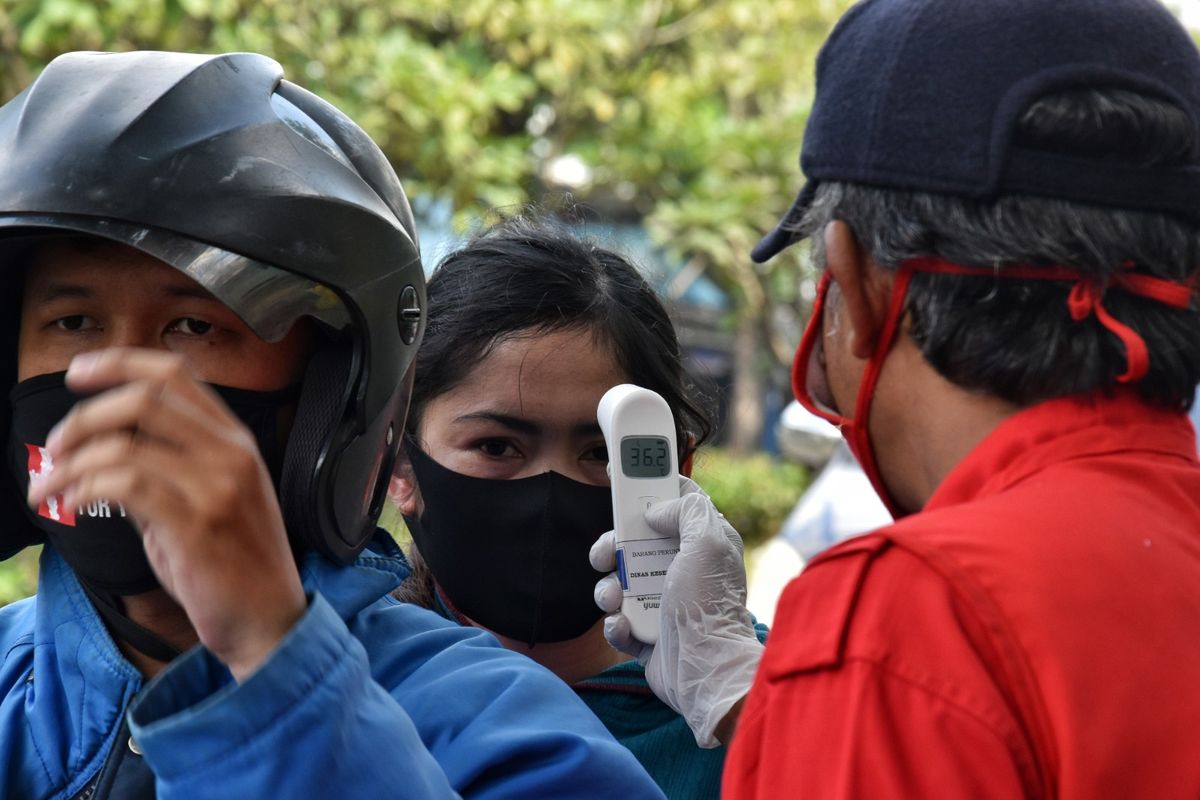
pixel 839 504
pixel 805 437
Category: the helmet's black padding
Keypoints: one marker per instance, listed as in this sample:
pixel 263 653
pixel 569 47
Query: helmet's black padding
pixel 324 397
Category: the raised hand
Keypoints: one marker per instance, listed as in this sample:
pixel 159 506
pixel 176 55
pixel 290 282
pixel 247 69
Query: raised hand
pixel 708 650
pixel 189 473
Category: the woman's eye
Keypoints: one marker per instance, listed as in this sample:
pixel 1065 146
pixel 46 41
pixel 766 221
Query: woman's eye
pixel 598 453
pixel 496 448
pixel 191 326
pixel 75 322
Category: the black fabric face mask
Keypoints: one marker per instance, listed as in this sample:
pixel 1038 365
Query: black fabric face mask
pixel 512 554
pixel 98 540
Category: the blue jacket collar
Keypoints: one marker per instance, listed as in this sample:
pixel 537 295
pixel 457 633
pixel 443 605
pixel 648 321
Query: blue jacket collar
pixel 66 618
pixel 377 570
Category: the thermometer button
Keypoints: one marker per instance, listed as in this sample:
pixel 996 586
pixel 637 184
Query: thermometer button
pixel 647 501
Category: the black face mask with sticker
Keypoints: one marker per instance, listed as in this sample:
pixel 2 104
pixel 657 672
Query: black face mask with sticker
pixel 98 539
pixel 512 555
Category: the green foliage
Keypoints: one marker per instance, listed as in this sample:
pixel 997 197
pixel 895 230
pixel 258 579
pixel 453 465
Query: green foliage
pixel 688 113
pixel 391 521
pixel 684 114
pixel 18 575
pixel 755 493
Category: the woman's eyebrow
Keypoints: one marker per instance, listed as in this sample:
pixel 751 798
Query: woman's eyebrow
pixel 523 425
pixel 514 423
pixel 587 429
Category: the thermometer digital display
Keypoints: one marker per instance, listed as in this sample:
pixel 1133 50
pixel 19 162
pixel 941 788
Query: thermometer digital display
pixel 645 456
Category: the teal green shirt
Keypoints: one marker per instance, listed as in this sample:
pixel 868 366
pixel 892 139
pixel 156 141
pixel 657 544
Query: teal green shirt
pixel 657 736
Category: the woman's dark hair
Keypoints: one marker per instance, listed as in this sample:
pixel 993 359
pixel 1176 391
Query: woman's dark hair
pixel 1013 338
pixel 527 275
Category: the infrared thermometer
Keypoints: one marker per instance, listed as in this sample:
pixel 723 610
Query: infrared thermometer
pixel 643 464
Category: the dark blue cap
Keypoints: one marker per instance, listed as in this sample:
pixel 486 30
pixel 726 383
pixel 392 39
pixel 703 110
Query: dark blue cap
pixel 925 95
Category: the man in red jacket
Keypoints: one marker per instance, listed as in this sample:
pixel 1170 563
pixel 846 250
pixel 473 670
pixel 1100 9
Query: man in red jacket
pixel 1004 197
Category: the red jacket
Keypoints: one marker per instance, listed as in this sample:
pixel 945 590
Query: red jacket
pixel 1034 632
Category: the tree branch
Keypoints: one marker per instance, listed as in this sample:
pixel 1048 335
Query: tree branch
pixel 680 29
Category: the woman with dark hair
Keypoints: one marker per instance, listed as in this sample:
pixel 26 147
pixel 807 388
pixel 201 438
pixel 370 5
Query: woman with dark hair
pixel 503 479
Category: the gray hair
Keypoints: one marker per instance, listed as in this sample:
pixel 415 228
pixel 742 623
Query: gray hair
pixel 895 226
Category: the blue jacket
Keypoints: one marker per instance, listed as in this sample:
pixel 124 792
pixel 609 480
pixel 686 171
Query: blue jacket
pixel 366 697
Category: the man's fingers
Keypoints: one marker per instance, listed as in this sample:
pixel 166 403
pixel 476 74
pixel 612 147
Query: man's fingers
pixel 135 472
pixel 608 594
pixel 154 411
pixel 100 453
pixel 135 487
pixel 663 517
pixel 618 634
pixel 122 408
pixel 603 555
pixel 666 517
pixel 102 369
pixel 693 517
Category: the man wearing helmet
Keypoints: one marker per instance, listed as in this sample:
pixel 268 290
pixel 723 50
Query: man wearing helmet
pixel 220 295
pixel 1004 198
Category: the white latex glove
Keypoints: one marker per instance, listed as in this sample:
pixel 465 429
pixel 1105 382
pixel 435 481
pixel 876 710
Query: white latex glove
pixel 707 650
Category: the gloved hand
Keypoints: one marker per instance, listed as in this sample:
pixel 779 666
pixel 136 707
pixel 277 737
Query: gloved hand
pixel 707 650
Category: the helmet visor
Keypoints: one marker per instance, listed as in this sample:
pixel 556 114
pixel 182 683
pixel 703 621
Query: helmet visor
pixel 268 299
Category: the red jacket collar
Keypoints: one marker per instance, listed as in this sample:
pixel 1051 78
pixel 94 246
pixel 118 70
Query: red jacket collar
pixel 1059 430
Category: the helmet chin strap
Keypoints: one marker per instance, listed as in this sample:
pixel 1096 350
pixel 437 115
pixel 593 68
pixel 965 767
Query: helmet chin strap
pixel 139 637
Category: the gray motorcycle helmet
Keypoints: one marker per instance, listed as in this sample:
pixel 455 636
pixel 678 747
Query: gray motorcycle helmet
pixel 271 199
